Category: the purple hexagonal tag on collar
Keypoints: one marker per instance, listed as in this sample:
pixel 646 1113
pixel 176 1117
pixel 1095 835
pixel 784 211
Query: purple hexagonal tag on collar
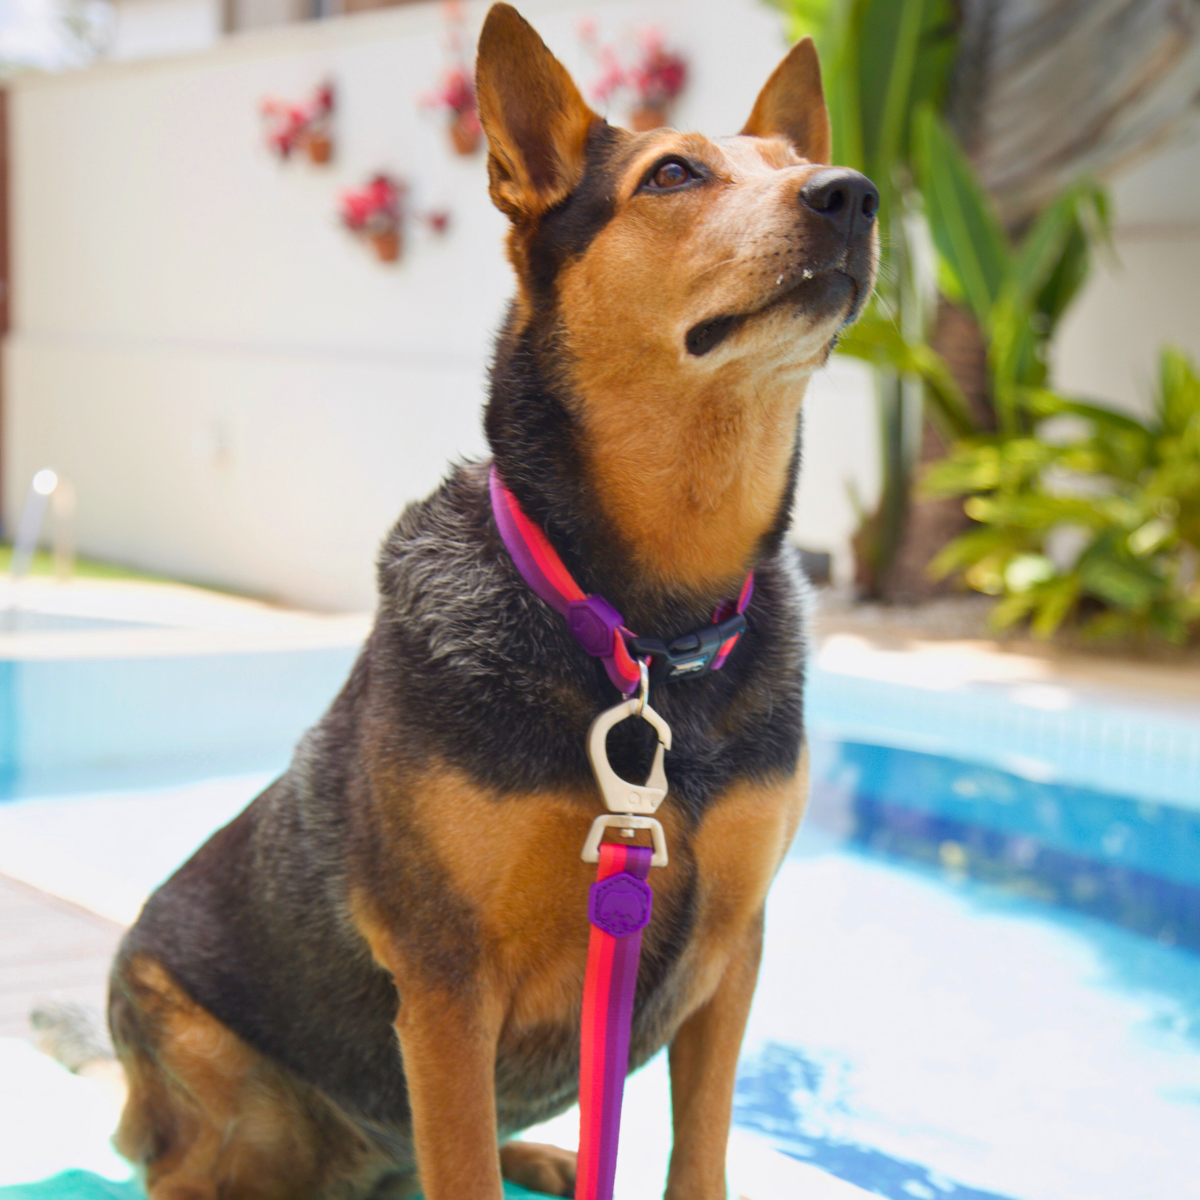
pixel 620 904
pixel 594 623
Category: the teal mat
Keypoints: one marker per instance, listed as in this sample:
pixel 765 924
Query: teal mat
pixel 74 1185
pixel 83 1185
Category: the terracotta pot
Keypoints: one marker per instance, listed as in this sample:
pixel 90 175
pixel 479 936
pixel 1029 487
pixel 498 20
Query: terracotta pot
pixel 647 117
pixel 465 134
pixel 320 147
pixel 387 245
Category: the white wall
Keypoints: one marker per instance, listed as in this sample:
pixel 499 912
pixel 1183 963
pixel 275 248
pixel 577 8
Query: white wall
pixel 841 452
pixel 241 394
pixel 1108 344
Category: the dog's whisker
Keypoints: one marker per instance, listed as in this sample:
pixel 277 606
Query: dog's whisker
pixel 716 266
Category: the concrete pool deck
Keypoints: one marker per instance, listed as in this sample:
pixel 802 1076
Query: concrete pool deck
pixel 895 650
pixel 49 950
pixel 92 618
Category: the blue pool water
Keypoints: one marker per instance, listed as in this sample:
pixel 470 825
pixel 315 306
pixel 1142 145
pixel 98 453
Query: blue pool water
pixel 982 972
pixel 97 723
pixel 981 986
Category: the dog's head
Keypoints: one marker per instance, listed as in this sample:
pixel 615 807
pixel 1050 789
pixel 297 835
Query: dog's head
pixel 690 284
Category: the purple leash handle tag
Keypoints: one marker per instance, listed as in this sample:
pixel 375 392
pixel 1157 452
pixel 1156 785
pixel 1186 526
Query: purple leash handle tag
pixel 620 904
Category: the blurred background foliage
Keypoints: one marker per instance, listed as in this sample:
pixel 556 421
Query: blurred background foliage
pixel 1085 514
pixel 1075 514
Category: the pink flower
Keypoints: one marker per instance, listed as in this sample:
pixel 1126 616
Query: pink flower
pixel 457 92
pixel 290 122
pixel 656 78
pixel 323 100
pixel 374 208
pixel 660 74
pixel 612 76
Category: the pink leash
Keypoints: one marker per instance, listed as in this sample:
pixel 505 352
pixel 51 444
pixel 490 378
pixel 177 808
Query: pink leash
pixel 619 909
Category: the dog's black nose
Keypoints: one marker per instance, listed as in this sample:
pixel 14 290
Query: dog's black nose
pixel 845 198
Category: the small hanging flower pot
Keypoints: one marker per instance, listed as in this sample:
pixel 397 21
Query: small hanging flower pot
pixel 320 147
pixel 465 133
pixel 456 97
pixel 307 127
pixel 379 213
pixel 375 213
pixel 654 81
pixel 648 116
pixel 657 79
pixel 387 244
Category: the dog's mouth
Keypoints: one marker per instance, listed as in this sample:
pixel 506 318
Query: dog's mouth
pixel 814 295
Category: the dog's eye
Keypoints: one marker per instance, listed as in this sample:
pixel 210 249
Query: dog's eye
pixel 670 174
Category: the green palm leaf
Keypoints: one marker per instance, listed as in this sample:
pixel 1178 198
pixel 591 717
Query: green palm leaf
pixel 965 227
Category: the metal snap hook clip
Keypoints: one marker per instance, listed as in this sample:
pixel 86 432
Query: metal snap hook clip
pixel 621 796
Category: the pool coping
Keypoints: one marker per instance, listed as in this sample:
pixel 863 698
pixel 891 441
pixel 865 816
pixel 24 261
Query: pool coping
pixel 165 619
pixel 853 646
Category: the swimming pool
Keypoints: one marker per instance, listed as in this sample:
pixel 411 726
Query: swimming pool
pixel 982 974
pixel 978 985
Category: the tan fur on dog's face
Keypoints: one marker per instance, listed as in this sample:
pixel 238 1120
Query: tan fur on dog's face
pixel 673 434
pixel 737 243
pixel 687 310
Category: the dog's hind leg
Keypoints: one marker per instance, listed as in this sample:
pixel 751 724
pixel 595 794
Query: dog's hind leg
pixel 69 1034
pixel 207 1116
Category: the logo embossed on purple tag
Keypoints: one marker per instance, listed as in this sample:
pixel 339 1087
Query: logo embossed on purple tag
pixel 620 904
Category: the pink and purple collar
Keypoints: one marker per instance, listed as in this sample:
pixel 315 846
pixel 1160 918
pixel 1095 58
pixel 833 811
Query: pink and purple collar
pixel 596 625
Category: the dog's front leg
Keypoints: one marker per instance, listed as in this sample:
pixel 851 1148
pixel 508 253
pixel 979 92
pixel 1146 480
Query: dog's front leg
pixel 704 1056
pixel 448 1045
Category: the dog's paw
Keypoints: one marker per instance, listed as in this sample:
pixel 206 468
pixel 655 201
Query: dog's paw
pixel 539 1168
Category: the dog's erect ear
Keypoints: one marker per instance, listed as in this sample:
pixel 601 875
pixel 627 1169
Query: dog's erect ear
pixel 792 105
pixel 535 119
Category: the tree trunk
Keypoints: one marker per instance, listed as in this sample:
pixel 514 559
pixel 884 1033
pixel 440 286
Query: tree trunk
pixel 932 522
pixel 1043 91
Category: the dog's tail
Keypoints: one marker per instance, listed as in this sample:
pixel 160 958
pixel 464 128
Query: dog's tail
pixel 70 1034
pixel 76 1037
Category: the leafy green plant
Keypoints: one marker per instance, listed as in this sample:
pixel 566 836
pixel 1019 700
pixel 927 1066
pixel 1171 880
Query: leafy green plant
pixel 1017 293
pixel 885 65
pixel 1100 527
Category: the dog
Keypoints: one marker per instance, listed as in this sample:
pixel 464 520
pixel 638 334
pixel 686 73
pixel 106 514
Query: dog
pixel 370 980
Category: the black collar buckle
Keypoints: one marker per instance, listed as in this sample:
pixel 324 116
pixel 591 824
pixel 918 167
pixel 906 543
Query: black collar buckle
pixel 689 655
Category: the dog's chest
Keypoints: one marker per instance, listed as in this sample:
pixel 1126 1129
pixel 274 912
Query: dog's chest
pixel 516 863
pixel 706 901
